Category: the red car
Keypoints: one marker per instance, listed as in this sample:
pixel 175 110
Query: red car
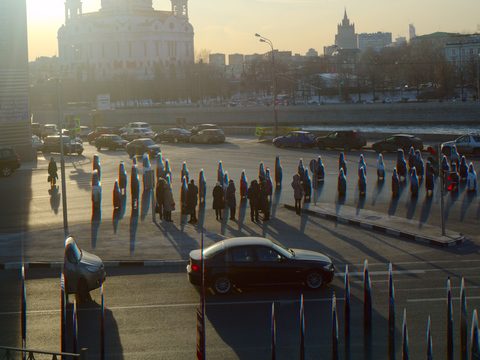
pixel 100 131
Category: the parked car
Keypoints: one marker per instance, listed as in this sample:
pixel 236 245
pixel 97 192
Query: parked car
pixel 200 127
pixel 37 144
pixel 138 133
pixel 135 125
pixel 465 144
pixel 68 132
pixel 48 129
pixel 141 146
pixel 344 139
pixel 52 144
pixel 298 138
pixel 208 136
pixel 173 135
pixel 102 130
pixel 84 131
pixel 9 161
pixel 255 261
pixel 110 141
pixel 83 272
pixel 36 129
pixel 398 141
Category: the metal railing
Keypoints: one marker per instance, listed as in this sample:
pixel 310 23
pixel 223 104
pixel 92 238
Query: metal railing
pixel 29 354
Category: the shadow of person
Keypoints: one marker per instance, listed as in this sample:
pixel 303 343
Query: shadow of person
pixel 118 214
pixel 54 199
pixel 89 330
pixel 392 208
pixel 339 201
pixel 95 225
pixel 133 228
pixel 377 190
pixel 317 192
pixel 411 205
pixel 145 205
pixel 467 200
pixel 201 214
pixel 427 204
pixel 275 200
pixel 242 211
pixel 450 201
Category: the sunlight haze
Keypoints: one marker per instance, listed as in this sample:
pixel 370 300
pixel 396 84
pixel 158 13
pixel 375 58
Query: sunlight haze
pixel 292 25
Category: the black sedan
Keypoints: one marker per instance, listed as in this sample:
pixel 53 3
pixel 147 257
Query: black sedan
pixel 173 135
pixel 253 261
pixel 142 146
pixel 110 141
pixel 398 141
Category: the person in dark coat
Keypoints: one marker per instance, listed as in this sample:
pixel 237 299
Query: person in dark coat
pixel 395 183
pixel 341 183
pixel 362 182
pixel 52 171
pixel 160 195
pixel 463 170
pixel 342 164
pixel 218 200
pixel 401 165
pixel 411 159
pixel 307 187
pixel 231 199
pixel 418 164
pixel 429 181
pixel 134 186
pixel 169 203
pixel 297 193
pixel 192 201
pixel 253 194
pixel 264 199
pixel 301 169
pixel 278 172
pixel 414 182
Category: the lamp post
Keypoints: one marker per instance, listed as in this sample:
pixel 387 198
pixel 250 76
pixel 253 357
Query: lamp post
pixel 478 80
pixel 275 122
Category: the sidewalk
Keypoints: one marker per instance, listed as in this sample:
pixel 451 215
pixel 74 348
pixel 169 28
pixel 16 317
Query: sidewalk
pixel 138 241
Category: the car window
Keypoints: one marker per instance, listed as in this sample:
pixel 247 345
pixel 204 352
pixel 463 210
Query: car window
pixel 476 138
pixel 289 135
pixel 390 139
pixel 242 254
pixel 201 132
pixel 267 254
pixel 464 139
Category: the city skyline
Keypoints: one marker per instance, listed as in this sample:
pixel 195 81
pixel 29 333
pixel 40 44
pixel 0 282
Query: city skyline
pixel 312 24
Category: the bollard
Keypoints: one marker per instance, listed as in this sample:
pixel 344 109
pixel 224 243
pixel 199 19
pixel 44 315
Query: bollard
pixel 342 164
pixel 341 183
pixel 184 172
pixel 463 321
pixel 401 165
pixel 449 322
pixel 278 171
pixel 117 201
pixel 380 168
pixel 334 328
pixel 261 171
pixel 24 310
pixel 75 326
pixel 102 327
pixel 367 313
pixel 243 185
pixel 404 336
pixel 429 341
pixel 347 314
pixel 301 169
pixel 220 172
pixel 122 178
pixel 273 333
pixel 302 330
pixel 97 166
pixel 202 186
pixel 474 337
pixel 391 314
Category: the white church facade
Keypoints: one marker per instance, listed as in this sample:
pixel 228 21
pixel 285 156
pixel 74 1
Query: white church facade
pixel 125 38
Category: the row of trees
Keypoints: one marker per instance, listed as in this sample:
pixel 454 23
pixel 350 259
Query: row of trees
pixel 382 73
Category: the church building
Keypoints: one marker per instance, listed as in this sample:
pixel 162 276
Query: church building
pixel 125 37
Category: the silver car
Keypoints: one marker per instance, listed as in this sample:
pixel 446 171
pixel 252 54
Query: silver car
pixel 83 271
pixel 465 144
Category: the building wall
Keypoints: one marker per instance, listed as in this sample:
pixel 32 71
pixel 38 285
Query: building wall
pixel 377 40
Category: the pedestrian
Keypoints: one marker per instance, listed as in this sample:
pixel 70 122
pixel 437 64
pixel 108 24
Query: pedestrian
pixel 160 195
pixel 429 180
pixel 471 178
pixel 202 183
pixel 320 169
pixel 268 179
pixel 261 170
pixel 341 183
pixel 264 199
pixel 362 182
pixel 192 201
pixel 411 158
pixel 122 178
pixel 401 165
pixel 362 165
pixel 418 164
pixel 307 187
pixel 414 182
pixel 218 200
pixel 278 171
pixel 297 193
pixel 342 164
pixel 97 166
pixel 395 183
pixel 463 170
pixel 231 199
pixel 301 170
pixel 169 203
pixel 454 157
pixel 380 168
pixel 134 187
pixel 243 185
pixel 52 172
pixel 253 194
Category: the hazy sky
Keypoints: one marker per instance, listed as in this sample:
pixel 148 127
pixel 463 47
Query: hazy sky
pixel 229 26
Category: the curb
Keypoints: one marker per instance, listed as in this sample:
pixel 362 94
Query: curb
pixel 107 263
pixel 446 241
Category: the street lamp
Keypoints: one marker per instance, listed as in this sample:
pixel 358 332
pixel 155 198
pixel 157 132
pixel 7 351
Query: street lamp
pixel 275 122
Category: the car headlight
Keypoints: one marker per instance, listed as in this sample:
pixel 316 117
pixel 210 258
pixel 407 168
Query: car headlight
pixel 92 269
pixel 328 267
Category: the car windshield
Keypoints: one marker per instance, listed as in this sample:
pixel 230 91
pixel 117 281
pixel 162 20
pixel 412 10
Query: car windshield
pixel 148 142
pixel 76 251
pixel 183 131
pixel 213 250
pixel 289 253
pixel 116 137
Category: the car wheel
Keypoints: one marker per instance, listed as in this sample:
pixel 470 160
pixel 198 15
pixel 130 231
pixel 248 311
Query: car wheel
pixel 98 148
pixel 314 280
pixel 476 152
pixel 82 294
pixel 321 146
pixel 277 144
pixel 347 147
pixel 222 284
pixel 175 140
pixel 299 145
pixel 377 149
pixel 6 171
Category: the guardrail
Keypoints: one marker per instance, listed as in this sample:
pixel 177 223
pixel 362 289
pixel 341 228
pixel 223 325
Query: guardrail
pixel 29 354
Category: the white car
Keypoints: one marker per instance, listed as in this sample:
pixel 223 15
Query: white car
pixel 136 125
pixel 138 133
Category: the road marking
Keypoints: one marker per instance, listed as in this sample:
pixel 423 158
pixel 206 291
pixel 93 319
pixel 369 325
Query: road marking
pixel 443 299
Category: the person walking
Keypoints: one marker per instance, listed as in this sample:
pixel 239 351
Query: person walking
pixel 297 193
pixel 52 172
pixel 253 194
pixel 160 195
pixel 264 199
pixel 169 203
pixel 231 199
pixel 218 200
pixel 192 201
